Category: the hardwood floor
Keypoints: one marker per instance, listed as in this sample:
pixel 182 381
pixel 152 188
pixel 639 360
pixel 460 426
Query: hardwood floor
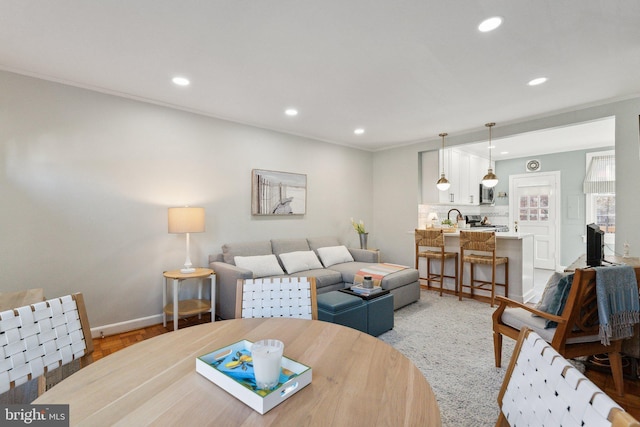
pixel 110 344
pixel 107 345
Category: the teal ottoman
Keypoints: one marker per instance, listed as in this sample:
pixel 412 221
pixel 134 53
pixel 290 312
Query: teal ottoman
pixel 379 314
pixel 343 309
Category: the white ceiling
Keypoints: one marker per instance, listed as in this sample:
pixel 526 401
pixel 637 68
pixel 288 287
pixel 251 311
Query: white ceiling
pixel 579 136
pixel 403 70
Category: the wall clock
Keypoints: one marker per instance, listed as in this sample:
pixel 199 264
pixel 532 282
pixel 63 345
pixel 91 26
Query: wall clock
pixel 533 165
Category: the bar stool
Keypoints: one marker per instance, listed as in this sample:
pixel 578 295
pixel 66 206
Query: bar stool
pixel 434 238
pixel 482 242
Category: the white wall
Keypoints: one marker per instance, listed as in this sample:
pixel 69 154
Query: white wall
pixel 86 179
pixel 396 181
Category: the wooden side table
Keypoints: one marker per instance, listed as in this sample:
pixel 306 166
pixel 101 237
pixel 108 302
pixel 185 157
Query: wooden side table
pixel 188 307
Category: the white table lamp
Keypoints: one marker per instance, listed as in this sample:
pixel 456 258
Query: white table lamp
pixel 186 220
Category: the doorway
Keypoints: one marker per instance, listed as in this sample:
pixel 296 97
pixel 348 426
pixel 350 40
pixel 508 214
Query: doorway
pixel 535 205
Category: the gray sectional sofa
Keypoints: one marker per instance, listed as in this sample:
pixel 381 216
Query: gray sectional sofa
pixel 293 255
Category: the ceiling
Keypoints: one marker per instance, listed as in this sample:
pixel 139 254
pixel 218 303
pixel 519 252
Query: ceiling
pixel 404 71
pixel 579 136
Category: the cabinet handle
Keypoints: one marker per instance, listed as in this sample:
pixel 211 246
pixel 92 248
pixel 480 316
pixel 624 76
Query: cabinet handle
pixel 471 199
pixel 451 197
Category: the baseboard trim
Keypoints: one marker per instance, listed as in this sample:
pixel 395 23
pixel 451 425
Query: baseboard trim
pixel 129 325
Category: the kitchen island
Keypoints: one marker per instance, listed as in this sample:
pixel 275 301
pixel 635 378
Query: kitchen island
pixel 517 246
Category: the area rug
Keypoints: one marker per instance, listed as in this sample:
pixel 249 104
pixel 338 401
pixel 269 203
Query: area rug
pixel 451 342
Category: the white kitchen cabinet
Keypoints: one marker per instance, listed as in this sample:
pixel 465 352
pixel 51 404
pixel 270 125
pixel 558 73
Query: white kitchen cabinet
pixel 464 171
pixel 450 157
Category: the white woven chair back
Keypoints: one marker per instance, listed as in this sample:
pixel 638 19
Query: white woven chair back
pixel 545 389
pixel 38 338
pixel 277 297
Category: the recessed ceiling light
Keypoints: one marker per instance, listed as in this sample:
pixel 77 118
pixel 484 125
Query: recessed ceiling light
pixel 490 24
pixel 538 81
pixel 291 112
pixel 181 81
pixel 504 152
pixel 359 131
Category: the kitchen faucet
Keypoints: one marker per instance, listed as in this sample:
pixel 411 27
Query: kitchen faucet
pixel 458 218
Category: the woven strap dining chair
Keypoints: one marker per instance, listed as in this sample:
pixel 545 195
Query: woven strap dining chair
pixel 277 297
pixel 430 245
pixel 484 242
pixel 541 387
pixel 38 339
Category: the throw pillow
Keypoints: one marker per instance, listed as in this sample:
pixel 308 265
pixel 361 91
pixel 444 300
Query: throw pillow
pixel 260 265
pixel 549 292
pixel 300 261
pixel 557 303
pixel 334 255
pixel 232 250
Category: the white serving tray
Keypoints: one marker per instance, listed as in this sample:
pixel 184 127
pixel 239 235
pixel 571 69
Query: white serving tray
pixel 249 397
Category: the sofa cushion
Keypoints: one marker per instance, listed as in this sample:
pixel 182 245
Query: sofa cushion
pixel 300 261
pixel 518 318
pixel 334 255
pixel 324 277
pixel 322 242
pixel 231 250
pixel 283 246
pixel 260 265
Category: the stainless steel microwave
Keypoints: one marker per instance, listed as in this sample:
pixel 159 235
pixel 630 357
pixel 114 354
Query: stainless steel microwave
pixel 486 195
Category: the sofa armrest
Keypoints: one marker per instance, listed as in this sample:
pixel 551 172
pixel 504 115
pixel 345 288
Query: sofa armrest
pixel 227 276
pixel 365 255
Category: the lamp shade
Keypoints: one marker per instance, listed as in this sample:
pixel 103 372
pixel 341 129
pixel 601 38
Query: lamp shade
pixel 443 183
pixel 490 179
pixel 186 220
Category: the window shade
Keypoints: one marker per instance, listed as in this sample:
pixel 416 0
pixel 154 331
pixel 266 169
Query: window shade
pixel 601 175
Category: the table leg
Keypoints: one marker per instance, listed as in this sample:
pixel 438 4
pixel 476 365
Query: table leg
pixel 175 304
pixel 200 286
pixel 164 302
pixel 213 297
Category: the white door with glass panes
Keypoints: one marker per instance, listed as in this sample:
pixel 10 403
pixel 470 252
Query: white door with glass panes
pixel 534 201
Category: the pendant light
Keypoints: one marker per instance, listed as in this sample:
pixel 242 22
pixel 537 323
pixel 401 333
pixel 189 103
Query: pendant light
pixel 443 183
pixel 490 179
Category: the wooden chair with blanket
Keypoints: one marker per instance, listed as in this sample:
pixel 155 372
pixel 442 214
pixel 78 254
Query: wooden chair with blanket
pixel 572 332
pixel 42 343
pixel 541 387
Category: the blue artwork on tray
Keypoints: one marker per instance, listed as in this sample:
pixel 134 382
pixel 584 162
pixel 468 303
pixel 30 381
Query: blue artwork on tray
pixel 239 366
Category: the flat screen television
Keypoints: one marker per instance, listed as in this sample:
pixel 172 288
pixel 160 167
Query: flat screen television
pixel 595 245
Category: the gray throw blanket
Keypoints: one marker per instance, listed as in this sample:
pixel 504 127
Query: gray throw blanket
pixel 618 304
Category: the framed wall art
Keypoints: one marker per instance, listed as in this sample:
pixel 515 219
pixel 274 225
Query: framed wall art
pixel 278 193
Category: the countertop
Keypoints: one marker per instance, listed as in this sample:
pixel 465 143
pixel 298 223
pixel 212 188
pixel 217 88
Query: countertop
pixel 499 234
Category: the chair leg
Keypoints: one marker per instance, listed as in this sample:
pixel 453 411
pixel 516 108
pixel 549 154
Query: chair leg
pixel 497 348
pixel 456 277
pixel 441 275
pixel 493 283
pixel 615 361
pixel 471 278
pixel 506 279
pixel 428 272
pixel 461 279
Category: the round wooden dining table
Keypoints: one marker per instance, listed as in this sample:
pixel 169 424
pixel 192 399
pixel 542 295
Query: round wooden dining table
pixel 358 380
